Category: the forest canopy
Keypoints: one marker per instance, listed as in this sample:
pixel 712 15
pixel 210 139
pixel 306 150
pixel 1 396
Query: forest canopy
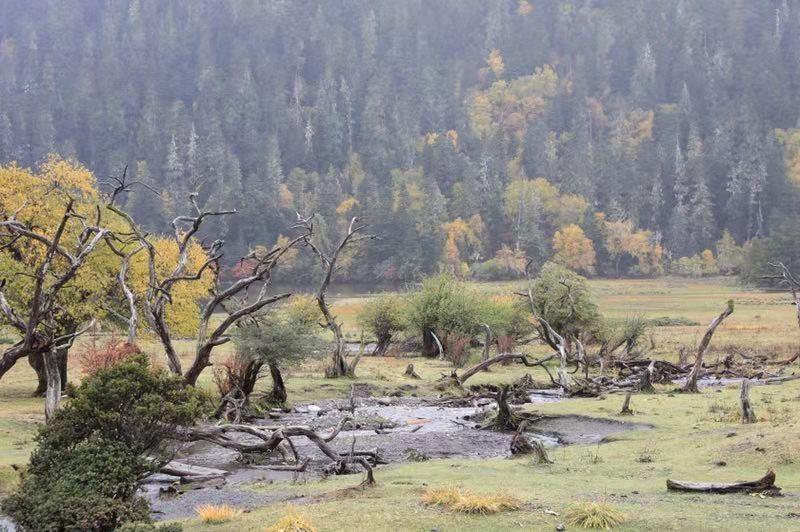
pixel 617 138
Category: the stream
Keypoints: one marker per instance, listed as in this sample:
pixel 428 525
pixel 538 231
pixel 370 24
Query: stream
pixel 401 429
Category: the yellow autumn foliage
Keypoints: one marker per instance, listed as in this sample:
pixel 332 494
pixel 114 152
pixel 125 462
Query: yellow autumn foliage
pixel 39 198
pixel 573 249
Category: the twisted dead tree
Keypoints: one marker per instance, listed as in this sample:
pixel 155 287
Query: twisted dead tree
pixel 694 374
pixel 339 366
pixel 278 438
pixel 38 324
pixel 158 295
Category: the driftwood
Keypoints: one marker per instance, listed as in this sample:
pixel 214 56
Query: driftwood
pixel 748 415
pixel 188 472
pixel 410 372
pixel 764 484
pixel 691 380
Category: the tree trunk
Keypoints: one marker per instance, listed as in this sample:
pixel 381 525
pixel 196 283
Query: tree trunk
pixel 748 415
pixel 36 361
pixel 53 376
pixel 428 344
pixel 691 380
pixel 382 345
pixel 278 393
pixel 487 343
pixel 10 357
pixel 626 405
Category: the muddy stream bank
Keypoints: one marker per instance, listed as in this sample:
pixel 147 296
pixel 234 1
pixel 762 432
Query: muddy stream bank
pixel 401 429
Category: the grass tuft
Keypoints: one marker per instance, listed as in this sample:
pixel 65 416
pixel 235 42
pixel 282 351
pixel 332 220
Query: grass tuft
pixel 594 515
pixel 463 501
pixel 446 496
pixel 216 513
pixel 292 521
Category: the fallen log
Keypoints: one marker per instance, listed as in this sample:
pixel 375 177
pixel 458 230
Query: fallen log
pixel 764 484
pixel 191 472
pixel 454 379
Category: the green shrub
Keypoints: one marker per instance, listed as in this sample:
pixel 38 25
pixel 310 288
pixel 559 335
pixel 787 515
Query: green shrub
pixel 666 321
pixel 507 316
pixel 383 317
pixel 90 457
pixel 444 305
pixel 562 297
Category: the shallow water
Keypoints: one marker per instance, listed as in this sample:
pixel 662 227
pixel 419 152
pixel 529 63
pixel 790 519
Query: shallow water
pixel 401 429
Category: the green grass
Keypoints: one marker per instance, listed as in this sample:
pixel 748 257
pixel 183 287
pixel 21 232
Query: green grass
pixel 687 440
pixel 692 434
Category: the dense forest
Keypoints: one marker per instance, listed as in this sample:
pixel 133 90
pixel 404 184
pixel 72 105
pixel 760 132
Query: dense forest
pixel 616 137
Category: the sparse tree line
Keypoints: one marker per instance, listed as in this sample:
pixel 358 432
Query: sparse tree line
pixel 470 135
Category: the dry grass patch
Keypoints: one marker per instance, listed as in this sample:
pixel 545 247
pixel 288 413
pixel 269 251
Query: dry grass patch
pixel 292 521
pixel 216 513
pixel 594 515
pixel 464 501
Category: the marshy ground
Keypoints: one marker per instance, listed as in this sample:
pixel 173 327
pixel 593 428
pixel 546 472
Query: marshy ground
pixel 696 437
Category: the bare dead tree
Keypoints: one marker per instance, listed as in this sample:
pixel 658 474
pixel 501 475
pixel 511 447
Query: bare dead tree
pixel 159 291
pixel 37 324
pixel 339 366
pixel 694 374
pixel 786 278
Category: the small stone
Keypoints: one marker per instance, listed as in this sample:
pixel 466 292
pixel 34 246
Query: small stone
pixel 384 401
pixel 560 527
pixel 313 408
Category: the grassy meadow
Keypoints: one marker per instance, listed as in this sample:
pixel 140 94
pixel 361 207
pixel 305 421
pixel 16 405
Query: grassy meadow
pixel 692 435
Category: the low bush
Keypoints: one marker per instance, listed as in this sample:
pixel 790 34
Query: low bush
pixel 594 515
pixel 84 472
pixel 666 321
pixel 292 521
pixel 444 305
pixel 463 501
pixel 216 513
pixel 94 357
pixel 383 317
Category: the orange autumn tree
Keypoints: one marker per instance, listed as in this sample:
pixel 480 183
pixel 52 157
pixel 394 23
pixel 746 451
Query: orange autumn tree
pixel 622 240
pixel 462 239
pixel 573 249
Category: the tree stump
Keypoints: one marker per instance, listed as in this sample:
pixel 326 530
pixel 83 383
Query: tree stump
pixel 646 382
pixel 626 406
pixel 748 415
pixel 522 445
pixel 411 373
